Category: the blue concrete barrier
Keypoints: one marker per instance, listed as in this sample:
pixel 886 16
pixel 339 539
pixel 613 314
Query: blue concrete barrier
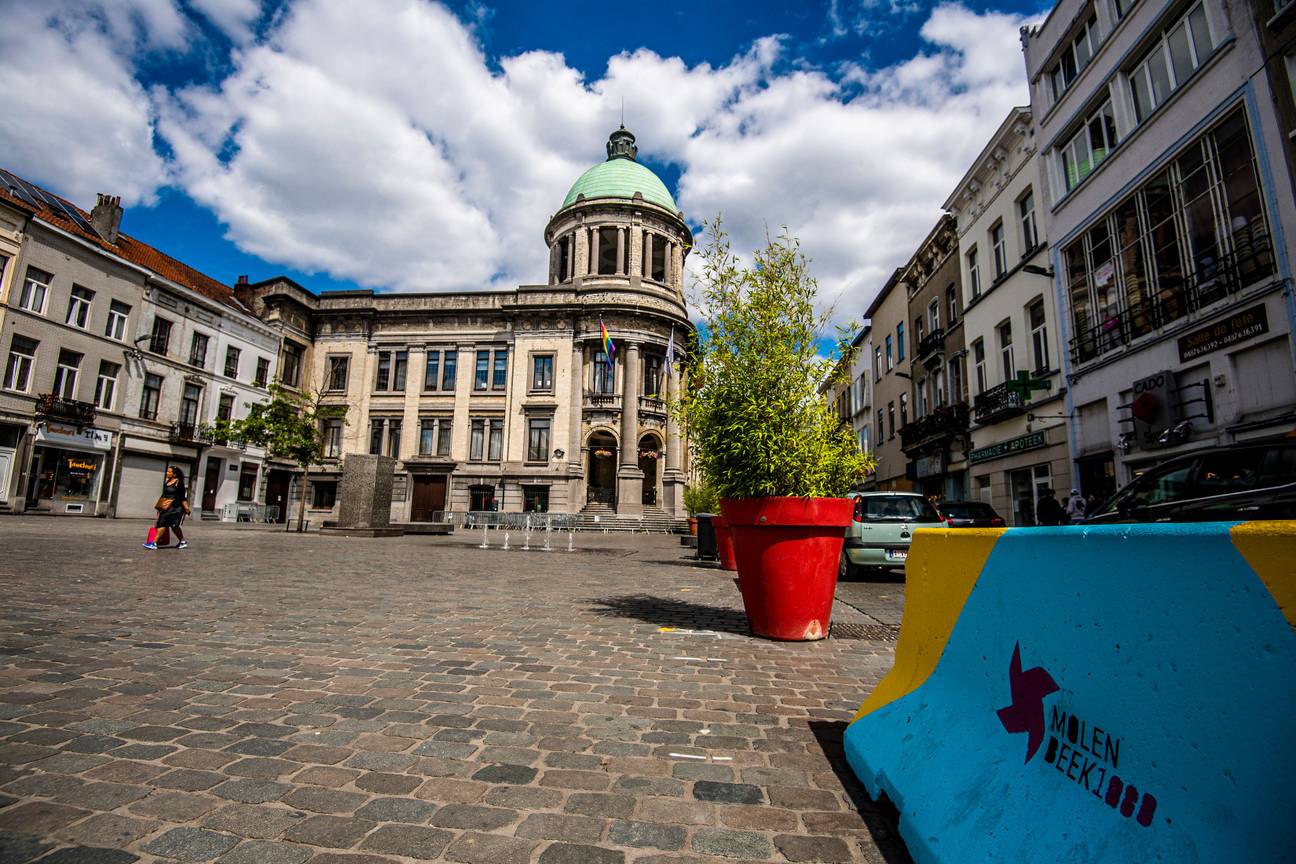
pixel 1092 694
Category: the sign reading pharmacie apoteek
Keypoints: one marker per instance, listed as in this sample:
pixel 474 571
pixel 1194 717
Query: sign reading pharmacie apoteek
pixel 1007 448
pixel 1228 331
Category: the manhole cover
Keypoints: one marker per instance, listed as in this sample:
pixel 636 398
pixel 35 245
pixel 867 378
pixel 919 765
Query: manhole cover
pixel 871 632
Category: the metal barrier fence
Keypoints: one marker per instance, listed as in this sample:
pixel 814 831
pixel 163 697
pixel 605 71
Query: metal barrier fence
pixel 511 521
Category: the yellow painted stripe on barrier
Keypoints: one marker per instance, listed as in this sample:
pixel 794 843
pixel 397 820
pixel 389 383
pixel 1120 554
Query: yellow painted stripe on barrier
pixel 943 567
pixel 1270 549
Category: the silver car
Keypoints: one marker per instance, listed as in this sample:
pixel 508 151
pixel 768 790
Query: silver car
pixel 882 528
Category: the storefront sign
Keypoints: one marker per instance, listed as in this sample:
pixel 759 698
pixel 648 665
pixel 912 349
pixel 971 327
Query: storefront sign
pixel 930 466
pixel 1235 328
pixel 1153 410
pixel 63 435
pixel 1032 441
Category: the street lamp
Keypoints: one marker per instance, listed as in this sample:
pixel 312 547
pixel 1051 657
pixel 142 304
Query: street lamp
pixel 1038 270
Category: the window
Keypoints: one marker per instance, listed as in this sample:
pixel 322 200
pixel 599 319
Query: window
pixel 231 361
pixel 393 437
pixel 247 481
pixel 22 355
pixel 65 374
pixel 1176 55
pixel 34 290
pixel 262 372
pixel 384 436
pixel 542 372
pixel 1075 57
pixel 979 365
pixel 604 375
pixel 535 499
pixel 564 259
pixel 933 314
pixel 151 396
pixel 496 442
pixel 499 379
pixel 106 386
pixel 290 366
pixel 1089 147
pixel 904 410
pixel 189 401
pixel 225 407
pixel 448 369
pixel 118 313
pixel 890 362
pixel 339 371
pixel 431 370
pixel 1122 7
pixel 1039 336
pixel 957 390
pixel 332 439
pixel 900 342
pixel 78 314
pixel 443 436
pixel 538 439
pixel 881 433
pixel 919 329
pixel 890 420
pixel 427 436
pixel 1006 351
pixel 391 370
pixel 974 273
pixel 324 494
pixel 999 249
pixel 481 375
pixel 1026 209
pixel 376 427
pixel 160 338
pixel 877 363
pixel 609 258
pixel 198 350
pixel 652 376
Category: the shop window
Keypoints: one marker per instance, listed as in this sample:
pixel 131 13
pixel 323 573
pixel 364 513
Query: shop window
pixel 118 316
pixel 78 314
pixel 34 290
pixel 18 369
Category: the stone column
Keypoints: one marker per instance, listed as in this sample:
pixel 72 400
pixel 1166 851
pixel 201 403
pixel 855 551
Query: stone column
pixel 554 275
pixel 575 432
pixel 580 254
pixel 621 267
pixel 649 240
pixel 463 386
pixel 672 476
pixel 629 477
pixel 594 252
pixel 677 266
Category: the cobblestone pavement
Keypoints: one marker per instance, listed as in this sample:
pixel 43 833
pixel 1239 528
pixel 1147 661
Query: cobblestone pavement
pixel 263 698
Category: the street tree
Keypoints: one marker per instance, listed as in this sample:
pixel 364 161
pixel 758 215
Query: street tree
pixel 289 426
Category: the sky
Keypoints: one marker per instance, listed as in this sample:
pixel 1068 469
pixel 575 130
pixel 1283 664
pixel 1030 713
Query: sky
pixel 411 145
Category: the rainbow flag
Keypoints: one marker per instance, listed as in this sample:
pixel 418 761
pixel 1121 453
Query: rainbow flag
pixel 609 347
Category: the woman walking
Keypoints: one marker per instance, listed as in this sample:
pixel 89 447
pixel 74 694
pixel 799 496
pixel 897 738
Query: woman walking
pixel 172 507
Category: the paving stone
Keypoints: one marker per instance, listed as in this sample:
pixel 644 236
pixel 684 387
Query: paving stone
pixel 107 830
pixel 124 771
pixel 702 771
pixel 259 821
pixel 727 793
pixel 251 791
pixel 20 848
pixel 326 776
pixel 320 800
pixel 519 775
pixel 829 850
pixel 175 806
pixel 472 816
pixel 573 853
pixel 263 852
pixel 678 811
pixel 645 835
pixel 474 848
pixel 259 747
pixel 731 844
pixel 638 786
pixel 71 763
pixel 143 752
pixel 87 855
pixel 557 826
pixel 396 810
pixel 41 818
pixel 388 784
pixel 335 832
pixel 190 844
pixel 523 798
pixel 261 769
pixel 411 841
pixel 344 858
pixel 93 744
pixel 199 759
pixel 594 804
pixel 188 780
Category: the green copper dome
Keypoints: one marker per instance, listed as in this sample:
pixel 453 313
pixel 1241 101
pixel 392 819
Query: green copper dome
pixel 621 176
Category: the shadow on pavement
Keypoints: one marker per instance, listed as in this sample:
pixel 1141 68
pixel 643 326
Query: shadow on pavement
pixel 666 612
pixel 880 816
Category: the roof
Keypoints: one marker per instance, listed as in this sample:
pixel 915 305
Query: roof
pixel 886 289
pixel 621 178
pixel 67 217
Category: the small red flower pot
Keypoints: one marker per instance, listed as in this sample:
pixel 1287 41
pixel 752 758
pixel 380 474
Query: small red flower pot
pixel 788 550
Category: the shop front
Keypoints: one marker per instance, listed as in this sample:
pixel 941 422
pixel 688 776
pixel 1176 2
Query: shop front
pixel 1012 475
pixel 67 470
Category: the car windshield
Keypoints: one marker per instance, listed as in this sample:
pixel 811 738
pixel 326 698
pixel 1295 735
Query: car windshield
pixel 894 508
pixel 1157 486
pixel 968 510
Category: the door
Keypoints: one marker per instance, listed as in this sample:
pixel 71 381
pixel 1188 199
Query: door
pixel 211 483
pixel 6 460
pixel 277 484
pixel 429 497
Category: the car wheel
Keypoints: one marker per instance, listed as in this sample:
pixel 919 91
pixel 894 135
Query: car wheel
pixel 845 569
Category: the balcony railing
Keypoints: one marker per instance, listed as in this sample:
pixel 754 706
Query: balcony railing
pixel 1179 295
pixel 189 433
pixel 49 406
pixel 945 422
pixel 997 403
pixel 931 343
pixel 602 400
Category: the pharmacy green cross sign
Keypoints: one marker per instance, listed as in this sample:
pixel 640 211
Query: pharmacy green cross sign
pixel 1024 383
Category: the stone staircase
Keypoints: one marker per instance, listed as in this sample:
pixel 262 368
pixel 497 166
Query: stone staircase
pixel 601 517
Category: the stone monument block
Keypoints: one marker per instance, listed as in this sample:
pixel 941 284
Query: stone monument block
pixel 365 496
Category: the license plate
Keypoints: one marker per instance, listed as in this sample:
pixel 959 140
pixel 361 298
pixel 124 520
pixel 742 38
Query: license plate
pixel 897 554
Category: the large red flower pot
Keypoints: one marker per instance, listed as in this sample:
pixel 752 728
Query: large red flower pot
pixel 724 543
pixel 788 550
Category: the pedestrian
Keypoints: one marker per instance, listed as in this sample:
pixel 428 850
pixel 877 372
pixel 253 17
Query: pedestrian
pixel 172 507
pixel 1049 511
pixel 1075 507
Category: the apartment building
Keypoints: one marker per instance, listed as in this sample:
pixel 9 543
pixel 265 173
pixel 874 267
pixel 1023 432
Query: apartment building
pixel 888 315
pixel 1019 444
pixel 1164 192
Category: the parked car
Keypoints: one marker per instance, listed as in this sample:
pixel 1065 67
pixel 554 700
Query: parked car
pixel 1225 484
pixel 882 529
pixel 969 514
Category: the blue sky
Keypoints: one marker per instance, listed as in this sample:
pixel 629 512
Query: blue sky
pixel 414 146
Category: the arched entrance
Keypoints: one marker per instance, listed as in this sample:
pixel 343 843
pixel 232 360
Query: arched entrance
pixel 650 452
pixel 601 486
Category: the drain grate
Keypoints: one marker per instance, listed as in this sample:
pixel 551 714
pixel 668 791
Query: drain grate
pixel 871 632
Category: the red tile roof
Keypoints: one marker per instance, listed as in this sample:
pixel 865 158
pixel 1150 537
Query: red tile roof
pixel 126 247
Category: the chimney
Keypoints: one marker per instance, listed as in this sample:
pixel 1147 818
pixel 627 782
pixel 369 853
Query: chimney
pixel 242 280
pixel 106 216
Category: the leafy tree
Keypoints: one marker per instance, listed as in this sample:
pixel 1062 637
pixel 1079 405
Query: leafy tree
pixel 754 414
pixel 289 426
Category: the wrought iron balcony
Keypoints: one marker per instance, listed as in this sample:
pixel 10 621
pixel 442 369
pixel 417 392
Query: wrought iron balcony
pixel 998 403
pixel 189 433
pixel 945 422
pixel 931 343
pixel 50 406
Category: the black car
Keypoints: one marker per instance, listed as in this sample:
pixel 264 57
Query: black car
pixel 1221 484
pixel 969 514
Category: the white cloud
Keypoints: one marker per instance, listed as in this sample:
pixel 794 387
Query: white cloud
pixel 234 17
pixel 383 148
